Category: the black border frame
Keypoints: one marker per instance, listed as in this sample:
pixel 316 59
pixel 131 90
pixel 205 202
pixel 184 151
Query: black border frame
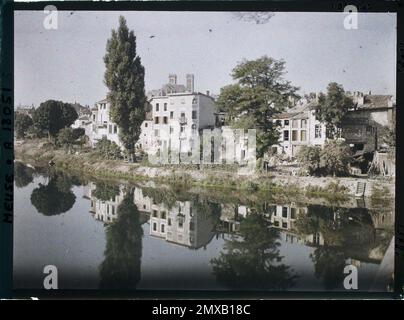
pixel 7 153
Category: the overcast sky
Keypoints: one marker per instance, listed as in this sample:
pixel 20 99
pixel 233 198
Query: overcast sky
pixel 67 63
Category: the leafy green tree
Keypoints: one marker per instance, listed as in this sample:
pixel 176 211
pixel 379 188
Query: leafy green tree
pixel 121 266
pixel 34 132
pixel 22 123
pixel 259 93
pixel 335 158
pixel 309 159
pixel 78 133
pixel 108 149
pixel 66 138
pixel 51 116
pixel 23 175
pixel 124 77
pixel 69 136
pixel 332 107
pixel 253 261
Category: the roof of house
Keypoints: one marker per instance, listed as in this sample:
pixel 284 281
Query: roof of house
pixel 297 112
pixel 105 100
pixel 376 101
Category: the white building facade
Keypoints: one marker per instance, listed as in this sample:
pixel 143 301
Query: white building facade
pixel 178 119
pixel 102 125
pixel 298 127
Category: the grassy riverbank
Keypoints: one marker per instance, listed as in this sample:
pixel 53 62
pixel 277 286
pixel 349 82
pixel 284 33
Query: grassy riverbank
pixel 88 162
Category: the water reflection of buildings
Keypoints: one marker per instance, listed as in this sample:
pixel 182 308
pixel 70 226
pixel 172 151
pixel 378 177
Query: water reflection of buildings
pixel 180 223
pixel 284 218
pixel 189 224
pixel 103 210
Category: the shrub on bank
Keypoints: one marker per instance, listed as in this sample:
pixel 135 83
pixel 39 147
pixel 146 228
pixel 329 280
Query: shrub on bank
pixel 108 149
pixel 333 159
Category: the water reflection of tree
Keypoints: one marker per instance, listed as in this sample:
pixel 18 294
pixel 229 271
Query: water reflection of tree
pixel 23 175
pixel 346 233
pixel 121 266
pixel 56 196
pixel 105 191
pixel 252 260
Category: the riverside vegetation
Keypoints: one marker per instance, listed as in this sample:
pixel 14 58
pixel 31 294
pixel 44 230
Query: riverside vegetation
pixel 93 163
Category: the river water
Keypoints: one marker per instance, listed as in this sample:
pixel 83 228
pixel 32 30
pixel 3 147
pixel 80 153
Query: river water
pixel 108 235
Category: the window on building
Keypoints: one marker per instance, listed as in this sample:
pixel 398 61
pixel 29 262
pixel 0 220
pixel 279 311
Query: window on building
pixel 286 123
pixel 329 133
pixel 358 147
pixel 293 213
pixel 172 115
pixel 115 129
pixel 165 120
pixel 169 221
pixel 295 123
pixel 284 225
pixel 110 128
pixel 182 129
pixel 171 129
pixel 194 100
pixel 154 226
pixel 180 223
pixel 165 106
pixel 317 131
pixel 286 135
pixel 294 135
pixel 146 124
pixel 276 223
pixel 284 212
pixel 157 107
pixel 113 210
pixel 162 228
pixel 156 132
pixel 154 213
pixel 156 120
pixel 182 114
pixel 93 117
pixel 303 135
pixel 163 215
pixel 194 114
pixel 303 123
pixel 278 122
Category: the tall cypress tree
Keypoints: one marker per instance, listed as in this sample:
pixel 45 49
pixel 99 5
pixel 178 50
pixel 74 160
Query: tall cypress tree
pixel 124 77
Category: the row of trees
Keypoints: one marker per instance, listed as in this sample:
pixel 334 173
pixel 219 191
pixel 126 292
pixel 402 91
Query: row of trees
pixel 47 120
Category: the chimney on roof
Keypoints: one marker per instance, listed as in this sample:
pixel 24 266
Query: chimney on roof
pixel 207 92
pixel 361 99
pixel 172 78
pixel 190 83
pixel 370 93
